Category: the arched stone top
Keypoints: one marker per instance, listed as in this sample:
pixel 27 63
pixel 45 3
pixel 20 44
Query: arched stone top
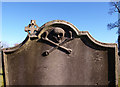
pixel 59 49
pixel 113 45
pixel 78 32
pixel 60 23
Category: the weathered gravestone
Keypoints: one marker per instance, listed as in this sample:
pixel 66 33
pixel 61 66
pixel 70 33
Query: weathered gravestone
pixel 59 54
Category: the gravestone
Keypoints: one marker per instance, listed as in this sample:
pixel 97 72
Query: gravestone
pixel 57 53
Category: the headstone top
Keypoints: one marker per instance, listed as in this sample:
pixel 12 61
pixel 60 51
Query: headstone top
pixel 60 55
pixel 69 30
pixel 32 29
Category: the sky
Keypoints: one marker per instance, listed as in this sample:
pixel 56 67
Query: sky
pixel 86 16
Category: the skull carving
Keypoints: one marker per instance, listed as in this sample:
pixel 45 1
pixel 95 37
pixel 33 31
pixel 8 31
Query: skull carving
pixel 57 34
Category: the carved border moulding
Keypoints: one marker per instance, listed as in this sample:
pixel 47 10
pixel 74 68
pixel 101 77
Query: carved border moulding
pixel 32 29
pixel 57 36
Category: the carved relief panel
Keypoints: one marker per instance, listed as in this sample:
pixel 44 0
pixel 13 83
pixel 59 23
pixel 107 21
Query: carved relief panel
pixel 57 37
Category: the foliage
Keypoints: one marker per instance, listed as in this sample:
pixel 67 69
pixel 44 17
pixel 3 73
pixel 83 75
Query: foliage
pixel 1 79
pixel 119 81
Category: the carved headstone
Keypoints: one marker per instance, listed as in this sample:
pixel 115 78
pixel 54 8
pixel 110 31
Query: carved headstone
pixel 61 55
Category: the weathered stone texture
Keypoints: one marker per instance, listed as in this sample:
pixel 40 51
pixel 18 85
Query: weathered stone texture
pixel 89 63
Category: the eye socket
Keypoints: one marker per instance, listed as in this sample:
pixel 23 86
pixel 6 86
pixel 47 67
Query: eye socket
pixel 61 34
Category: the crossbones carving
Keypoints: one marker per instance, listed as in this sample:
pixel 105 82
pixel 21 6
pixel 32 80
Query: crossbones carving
pixel 57 45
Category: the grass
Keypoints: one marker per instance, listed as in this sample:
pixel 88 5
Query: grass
pixel 1 79
pixel 119 81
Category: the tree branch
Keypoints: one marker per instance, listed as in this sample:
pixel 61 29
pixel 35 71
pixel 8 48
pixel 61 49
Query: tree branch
pixel 117 7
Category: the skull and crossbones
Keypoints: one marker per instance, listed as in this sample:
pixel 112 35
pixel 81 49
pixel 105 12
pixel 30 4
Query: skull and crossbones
pixel 56 38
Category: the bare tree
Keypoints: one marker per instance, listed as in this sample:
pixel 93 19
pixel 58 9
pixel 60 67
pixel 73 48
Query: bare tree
pixel 115 8
pixel 1 46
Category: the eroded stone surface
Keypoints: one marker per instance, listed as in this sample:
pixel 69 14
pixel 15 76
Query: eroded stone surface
pixel 89 62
